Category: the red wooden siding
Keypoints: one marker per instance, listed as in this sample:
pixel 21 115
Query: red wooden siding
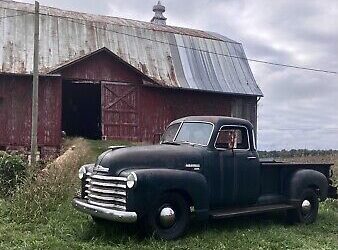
pixel 15 111
pixel 139 113
pixel 120 111
pixel 158 107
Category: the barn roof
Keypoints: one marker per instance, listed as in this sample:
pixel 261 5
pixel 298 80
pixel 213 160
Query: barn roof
pixel 170 56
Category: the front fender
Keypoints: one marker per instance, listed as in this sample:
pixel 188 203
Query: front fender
pixel 306 178
pixel 152 183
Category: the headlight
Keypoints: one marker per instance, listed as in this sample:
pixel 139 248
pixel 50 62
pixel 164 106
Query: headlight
pixel 82 172
pixel 131 180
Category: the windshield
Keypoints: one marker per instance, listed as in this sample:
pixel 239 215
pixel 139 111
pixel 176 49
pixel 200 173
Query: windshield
pixel 169 134
pixel 190 132
pixel 195 133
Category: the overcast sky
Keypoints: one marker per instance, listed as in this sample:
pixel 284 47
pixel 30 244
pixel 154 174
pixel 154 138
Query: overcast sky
pixel 299 108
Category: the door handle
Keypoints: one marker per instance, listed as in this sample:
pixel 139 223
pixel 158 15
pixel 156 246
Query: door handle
pixel 251 157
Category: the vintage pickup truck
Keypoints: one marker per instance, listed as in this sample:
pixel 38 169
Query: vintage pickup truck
pixel 204 167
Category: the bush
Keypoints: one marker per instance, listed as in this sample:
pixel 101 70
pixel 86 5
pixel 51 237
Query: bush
pixel 12 173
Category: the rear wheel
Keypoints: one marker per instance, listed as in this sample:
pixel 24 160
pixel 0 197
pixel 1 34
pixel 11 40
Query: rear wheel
pixel 169 217
pixel 307 211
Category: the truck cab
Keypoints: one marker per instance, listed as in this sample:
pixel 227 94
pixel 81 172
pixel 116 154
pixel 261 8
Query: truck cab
pixel 205 166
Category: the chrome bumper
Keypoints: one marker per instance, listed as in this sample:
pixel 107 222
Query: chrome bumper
pixel 104 213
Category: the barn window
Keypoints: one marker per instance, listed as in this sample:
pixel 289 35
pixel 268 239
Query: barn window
pixel 1 101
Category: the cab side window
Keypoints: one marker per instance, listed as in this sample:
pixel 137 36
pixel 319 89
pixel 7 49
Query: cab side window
pixel 232 138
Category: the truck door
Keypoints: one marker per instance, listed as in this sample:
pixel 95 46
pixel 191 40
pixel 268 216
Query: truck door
pixel 239 166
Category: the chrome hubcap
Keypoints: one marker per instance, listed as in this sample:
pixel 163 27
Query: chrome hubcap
pixel 306 206
pixel 167 217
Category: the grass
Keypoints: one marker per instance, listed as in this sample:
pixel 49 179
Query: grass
pixel 64 228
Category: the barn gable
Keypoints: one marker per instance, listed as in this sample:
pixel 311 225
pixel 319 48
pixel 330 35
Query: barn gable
pixel 100 65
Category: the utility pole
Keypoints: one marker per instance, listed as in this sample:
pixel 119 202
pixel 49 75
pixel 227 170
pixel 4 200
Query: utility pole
pixel 35 92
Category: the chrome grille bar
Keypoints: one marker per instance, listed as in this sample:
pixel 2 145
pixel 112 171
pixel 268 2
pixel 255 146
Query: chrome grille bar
pixel 107 184
pixel 108 205
pixel 106 198
pixel 108 178
pixel 106 191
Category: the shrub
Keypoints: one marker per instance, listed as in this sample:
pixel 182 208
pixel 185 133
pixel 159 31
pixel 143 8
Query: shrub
pixel 12 173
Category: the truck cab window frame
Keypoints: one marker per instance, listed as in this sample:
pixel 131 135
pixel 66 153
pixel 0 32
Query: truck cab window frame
pixel 234 131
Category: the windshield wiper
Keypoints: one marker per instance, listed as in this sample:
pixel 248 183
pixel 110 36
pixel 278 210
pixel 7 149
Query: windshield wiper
pixel 186 142
pixel 170 143
pixel 191 143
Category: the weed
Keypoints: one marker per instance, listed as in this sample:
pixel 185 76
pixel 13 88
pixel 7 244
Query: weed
pixel 12 173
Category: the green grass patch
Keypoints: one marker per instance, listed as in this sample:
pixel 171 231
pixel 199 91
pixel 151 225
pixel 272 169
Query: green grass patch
pixel 56 225
pixel 68 229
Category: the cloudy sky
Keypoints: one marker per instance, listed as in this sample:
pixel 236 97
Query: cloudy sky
pixel 300 108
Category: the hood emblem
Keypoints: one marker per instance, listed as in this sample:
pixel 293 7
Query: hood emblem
pixel 99 168
pixel 194 166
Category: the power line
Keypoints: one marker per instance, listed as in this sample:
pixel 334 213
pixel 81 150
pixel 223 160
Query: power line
pixel 191 48
pixel 298 129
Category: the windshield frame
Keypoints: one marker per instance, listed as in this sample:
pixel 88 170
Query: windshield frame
pixel 192 143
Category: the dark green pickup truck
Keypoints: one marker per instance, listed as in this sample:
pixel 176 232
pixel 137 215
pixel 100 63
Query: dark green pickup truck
pixel 204 167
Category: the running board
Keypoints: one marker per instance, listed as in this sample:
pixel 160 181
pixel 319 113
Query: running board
pixel 232 212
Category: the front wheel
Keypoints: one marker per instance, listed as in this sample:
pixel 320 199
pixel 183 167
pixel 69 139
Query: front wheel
pixel 169 217
pixel 308 209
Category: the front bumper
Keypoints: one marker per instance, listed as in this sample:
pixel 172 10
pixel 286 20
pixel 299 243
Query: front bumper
pixel 104 213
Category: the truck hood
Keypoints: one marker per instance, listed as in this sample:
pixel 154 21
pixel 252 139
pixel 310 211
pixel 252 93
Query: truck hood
pixel 153 156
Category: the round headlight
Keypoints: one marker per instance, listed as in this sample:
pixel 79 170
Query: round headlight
pixel 82 172
pixel 131 180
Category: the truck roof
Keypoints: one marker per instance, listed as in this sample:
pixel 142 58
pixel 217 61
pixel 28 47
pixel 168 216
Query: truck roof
pixel 216 120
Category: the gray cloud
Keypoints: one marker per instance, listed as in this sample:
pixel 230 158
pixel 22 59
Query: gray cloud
pixel 300 108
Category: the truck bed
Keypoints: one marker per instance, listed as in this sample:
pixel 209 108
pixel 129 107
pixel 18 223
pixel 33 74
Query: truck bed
pixel 274 173
pixel 324 168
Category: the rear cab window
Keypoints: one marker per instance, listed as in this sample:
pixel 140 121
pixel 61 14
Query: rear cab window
pixel 232 137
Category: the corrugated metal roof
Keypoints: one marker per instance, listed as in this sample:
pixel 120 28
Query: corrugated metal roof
pixel 171 56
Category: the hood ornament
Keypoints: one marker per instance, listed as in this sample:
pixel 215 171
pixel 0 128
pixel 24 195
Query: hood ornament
pixel 99 168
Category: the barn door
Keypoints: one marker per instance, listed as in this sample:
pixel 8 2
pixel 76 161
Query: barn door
pixel 120 119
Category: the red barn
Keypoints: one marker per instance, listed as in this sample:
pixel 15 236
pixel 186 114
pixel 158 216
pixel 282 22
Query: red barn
pixel 113 78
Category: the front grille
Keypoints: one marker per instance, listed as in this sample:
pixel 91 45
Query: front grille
pixel 106 191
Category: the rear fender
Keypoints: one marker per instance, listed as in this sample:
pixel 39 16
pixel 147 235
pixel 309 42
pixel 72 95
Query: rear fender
pixel 306 178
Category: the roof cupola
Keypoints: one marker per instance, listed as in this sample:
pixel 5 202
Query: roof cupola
pixel 159 9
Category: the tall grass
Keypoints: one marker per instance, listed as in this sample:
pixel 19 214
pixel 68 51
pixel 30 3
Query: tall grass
pixel 44 190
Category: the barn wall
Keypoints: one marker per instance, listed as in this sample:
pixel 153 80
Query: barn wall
pixel 158 107
pixel 100 67
pixel 15 111
pixel 141 113
pixel 136 112
pixel 161 106
pixel 245 107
